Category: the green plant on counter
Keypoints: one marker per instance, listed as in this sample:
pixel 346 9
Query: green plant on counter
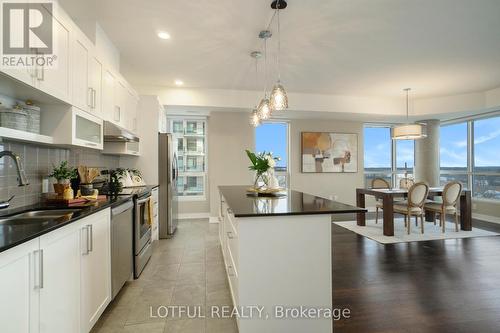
pixel 63 173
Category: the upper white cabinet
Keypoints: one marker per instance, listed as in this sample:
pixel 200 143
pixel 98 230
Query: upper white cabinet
pixel 109 111
pixel 96 268
pixel 55 80
pixel 19 286
pixel 87 78
pixel 74 127
pixel 52 77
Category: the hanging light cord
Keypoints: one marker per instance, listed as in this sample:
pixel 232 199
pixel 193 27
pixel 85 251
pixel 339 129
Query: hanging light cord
pixel 279 39
pixel 265 67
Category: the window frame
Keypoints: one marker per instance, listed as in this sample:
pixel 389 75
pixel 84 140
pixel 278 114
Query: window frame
pixel 185 174
pixel 288 144
pixel 471 173
pixel 394 172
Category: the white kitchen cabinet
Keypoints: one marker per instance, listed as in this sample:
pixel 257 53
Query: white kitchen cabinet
pixel 55 80
pixel 19 286
pixel 60 291
pixel 132 103
pixel 95 86
pixel 120 100
pixel 109 110
pixel 81 88
pixel 95 268
pixel 73 127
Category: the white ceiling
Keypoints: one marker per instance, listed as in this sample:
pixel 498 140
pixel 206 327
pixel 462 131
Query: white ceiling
pixel 354 47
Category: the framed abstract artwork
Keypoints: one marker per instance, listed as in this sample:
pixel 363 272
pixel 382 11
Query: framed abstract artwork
pixel 324 152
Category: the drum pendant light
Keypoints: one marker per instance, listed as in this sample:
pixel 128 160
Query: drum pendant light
pixel 408 131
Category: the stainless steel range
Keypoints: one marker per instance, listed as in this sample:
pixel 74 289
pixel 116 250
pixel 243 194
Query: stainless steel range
pixel 142 232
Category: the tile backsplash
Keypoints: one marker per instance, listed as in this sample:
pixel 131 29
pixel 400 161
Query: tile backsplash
pixel 38 161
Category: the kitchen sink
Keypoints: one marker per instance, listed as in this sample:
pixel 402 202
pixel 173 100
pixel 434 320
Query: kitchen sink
pixel 51 214
pixel 38 216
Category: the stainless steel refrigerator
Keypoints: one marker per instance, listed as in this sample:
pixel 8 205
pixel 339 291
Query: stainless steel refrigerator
pixel 167 177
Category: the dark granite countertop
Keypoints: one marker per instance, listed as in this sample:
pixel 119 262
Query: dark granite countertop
pixel 12 235
pixel 294 203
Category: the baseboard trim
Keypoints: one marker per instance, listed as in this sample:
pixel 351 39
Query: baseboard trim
pixel 213 219
pixel 188 216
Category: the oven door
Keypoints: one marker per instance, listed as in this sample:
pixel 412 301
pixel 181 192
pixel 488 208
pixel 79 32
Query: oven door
pixel 142 223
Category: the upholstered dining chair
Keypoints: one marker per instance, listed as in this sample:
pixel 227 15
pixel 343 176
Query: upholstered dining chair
pixel 379 183
pixel 451 194
pixel 414 206
pixel 406 183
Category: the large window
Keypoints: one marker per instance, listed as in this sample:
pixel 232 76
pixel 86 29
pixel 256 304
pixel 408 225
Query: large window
pixel 486 173
pixel 386 158
pixel 189 136
pixel 273 137
pixel 469 155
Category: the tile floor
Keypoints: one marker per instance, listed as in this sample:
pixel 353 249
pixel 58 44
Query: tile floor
pixel 185 270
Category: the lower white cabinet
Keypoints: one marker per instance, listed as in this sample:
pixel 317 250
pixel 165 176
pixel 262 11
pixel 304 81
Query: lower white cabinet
pixel 60 285
pixel 59 282
pixel 95 289
pixel 19 288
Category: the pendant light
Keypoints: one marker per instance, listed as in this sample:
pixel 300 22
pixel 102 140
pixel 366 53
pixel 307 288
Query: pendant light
pixel 263 109
pixel 254 116
pixel 279 99
pixel 408 131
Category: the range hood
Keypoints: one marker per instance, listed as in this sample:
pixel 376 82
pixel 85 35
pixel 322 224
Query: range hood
pixel 115 133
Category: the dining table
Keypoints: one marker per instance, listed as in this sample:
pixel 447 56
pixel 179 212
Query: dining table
pixel 388 197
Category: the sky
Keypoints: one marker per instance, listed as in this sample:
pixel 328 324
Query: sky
pixel 272 137
pixel 453 146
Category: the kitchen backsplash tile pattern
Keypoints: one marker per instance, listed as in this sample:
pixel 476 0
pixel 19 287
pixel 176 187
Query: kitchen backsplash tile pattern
pixel 38 162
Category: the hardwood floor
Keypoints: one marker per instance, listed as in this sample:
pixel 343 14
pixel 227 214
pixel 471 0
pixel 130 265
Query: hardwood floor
pixel 433 286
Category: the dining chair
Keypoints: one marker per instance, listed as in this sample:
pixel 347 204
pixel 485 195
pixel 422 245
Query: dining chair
pixel 451 194
pixel 379 183
pixel 406 183
pixel 414 205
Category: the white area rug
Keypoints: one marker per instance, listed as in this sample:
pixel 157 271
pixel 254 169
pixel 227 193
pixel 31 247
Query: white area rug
pixel 431 231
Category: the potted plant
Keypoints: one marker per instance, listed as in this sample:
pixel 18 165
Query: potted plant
pixel 263 164
pixel 63 175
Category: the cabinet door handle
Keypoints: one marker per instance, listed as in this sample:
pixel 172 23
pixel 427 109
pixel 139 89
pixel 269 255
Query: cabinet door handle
pixel 40 285
pixel 90 238
pixel 85 232
pixel 230 270
pixel 230 235
pixel 89 97
pixel 94 98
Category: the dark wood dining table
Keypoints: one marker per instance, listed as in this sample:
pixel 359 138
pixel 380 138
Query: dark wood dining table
pixel 388 196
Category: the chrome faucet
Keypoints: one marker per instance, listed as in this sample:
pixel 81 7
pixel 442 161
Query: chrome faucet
pixel 21 176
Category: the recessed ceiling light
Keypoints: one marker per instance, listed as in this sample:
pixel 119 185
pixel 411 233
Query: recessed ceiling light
pixel 178 82
pixel 164 35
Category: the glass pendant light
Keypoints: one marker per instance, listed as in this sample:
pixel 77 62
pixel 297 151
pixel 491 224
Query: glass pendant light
pixel 279 99
pixel 264 110
pixel 254 118
pixel 408 131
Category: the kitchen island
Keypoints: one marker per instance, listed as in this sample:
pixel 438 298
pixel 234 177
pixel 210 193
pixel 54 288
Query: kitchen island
pixel 278 258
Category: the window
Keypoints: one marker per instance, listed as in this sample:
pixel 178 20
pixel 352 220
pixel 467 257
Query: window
pixel 468 155
pixel 386 158
pixel 189 137
pixel 273 137
pixel 486 174
pixel 453 153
